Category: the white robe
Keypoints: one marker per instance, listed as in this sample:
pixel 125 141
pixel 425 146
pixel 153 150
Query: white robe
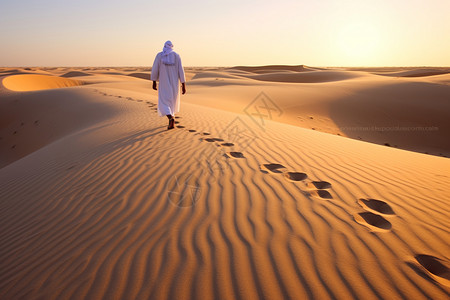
pixel 169 77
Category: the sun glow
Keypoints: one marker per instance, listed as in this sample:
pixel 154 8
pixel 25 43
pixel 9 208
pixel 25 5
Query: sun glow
pixel 359 42
pixel 226 33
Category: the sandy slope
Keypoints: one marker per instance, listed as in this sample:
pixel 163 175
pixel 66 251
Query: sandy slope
pixel 226 206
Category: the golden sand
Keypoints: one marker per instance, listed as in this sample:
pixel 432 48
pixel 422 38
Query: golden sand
pixel 243 200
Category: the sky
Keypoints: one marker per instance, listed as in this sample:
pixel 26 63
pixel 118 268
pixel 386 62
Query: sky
pixel 225 33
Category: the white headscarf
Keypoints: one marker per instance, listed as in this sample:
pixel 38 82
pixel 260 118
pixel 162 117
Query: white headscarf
pixel 168 57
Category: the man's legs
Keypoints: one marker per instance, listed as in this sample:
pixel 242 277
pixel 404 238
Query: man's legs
pixel 171 122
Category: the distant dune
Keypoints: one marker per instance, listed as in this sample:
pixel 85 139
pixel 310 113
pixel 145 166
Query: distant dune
pixel 307 76
pixel 417 73
pixel 283 76
pixel 140 75
pixel 273 68
pixel 75 74
pixel 409 113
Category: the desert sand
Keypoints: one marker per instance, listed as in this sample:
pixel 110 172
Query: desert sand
pixel 279 182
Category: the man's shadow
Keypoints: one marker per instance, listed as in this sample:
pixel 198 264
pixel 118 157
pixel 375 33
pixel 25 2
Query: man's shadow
pixel 137 137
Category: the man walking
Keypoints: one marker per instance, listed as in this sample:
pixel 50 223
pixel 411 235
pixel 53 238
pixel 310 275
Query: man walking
pixel 168 70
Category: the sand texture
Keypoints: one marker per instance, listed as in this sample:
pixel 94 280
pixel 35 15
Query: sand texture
pixel 264 190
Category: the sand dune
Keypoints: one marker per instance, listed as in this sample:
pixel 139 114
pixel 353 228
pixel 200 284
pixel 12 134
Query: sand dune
pixel 39 118
pixel 441 79
pixel 271 68
pixel 34 82
pixel 37 71
pixel 226 206
pixel 8 70
pixel 75 74
pixel 284 76
pixel 14 72
pixel 307 77
pixel 359 105
pixel 417 73
pixel 141 75
pixel 215 75
pixel 110 73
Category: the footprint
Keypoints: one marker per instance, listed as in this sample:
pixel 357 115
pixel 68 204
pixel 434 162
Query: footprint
pixel 192 130
pixel 180 126
pixel 206 133
pixel 211 140
pixel 321 194
pixel 321 185
pixel 373 221
pixel 227 144
pixel 177 117
pixel 236 154
pixel 319 189
pixel 176 122
pixel 376 205
pixel 295 176
pixel 436 268
pixel 273 168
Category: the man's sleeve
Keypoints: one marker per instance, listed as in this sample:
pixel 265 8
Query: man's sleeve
pixel 155 69
pixel 181 75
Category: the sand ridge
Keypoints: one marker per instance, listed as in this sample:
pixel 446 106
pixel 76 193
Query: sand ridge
pixel 33 82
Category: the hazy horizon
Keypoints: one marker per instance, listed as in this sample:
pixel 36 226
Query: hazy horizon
pixel 230 66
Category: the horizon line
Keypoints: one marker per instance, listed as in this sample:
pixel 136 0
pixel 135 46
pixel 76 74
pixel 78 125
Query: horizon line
pixel 232 66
